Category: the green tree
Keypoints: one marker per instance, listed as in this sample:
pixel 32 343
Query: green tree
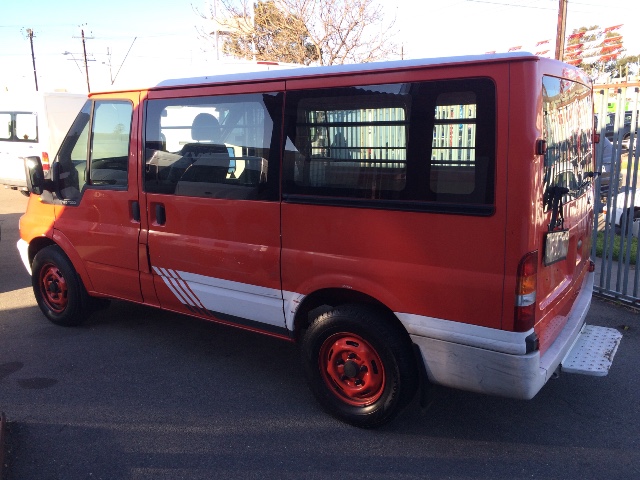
pixel 599 52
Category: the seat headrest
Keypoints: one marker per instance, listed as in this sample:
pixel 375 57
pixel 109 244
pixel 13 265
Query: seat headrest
pixel 205 128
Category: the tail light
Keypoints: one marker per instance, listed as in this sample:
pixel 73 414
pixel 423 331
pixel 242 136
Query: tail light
pixel 526 281
pixel 45 161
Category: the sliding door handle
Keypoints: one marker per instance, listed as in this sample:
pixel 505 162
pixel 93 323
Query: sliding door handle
pixel 135 210
pixel 161 216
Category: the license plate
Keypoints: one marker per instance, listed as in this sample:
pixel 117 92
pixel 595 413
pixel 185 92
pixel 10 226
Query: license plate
pixel 556 246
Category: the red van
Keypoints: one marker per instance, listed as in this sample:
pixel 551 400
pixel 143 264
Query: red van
pixel 423 219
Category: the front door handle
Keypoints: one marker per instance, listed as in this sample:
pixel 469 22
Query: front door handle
pixel 135 210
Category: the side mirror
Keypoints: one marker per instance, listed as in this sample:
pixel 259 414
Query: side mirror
pixel 35 174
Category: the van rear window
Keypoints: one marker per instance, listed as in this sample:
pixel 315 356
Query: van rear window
pixel 568 128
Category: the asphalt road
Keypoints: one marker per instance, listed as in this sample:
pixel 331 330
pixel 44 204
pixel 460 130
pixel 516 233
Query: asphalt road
pixel 136 393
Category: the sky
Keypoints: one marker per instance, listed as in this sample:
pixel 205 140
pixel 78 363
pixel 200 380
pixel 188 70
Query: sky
pixel 141 42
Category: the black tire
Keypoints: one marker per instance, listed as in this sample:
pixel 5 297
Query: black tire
pixel 58 289
pixel 359 365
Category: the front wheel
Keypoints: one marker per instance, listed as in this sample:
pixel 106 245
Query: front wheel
pixel 58 289
pixel 359 365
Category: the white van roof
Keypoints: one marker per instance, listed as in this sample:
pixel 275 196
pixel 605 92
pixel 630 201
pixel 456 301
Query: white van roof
pixel 347 68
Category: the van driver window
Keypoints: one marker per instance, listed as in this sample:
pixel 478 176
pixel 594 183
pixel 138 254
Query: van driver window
pixel 107 166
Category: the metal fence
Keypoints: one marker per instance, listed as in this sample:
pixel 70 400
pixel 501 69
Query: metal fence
pixel 618 206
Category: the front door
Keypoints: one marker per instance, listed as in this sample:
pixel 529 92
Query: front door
pixel 98 216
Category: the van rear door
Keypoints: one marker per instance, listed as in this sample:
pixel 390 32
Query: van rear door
pixel 567 202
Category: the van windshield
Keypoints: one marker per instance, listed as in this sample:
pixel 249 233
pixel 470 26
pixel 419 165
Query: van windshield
pixel 568 125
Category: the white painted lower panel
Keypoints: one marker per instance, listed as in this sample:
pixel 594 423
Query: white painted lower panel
pixel 483 371
pixel 452 363
pixel 466 334
pixel 251 302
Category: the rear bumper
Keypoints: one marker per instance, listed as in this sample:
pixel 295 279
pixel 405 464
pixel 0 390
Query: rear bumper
pixel 17 183
pixel 480 366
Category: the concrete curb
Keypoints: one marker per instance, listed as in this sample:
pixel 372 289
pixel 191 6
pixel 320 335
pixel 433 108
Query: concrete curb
pixel 3 421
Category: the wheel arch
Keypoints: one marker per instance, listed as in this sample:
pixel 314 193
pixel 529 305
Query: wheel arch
pixel 327 299
pixel 38 243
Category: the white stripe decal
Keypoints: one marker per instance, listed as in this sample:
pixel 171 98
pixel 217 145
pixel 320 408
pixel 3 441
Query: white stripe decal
pixel 166 278
pixel 167 282
pixel 178 287
pixel 242 300
pixel 191 298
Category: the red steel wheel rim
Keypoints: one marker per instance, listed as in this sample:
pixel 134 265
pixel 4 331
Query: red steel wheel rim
pixel 352 369
pixel 54 288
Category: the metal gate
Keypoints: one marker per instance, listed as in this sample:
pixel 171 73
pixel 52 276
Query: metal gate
pixel 618 206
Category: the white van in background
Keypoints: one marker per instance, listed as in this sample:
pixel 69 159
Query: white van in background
pixel 32 124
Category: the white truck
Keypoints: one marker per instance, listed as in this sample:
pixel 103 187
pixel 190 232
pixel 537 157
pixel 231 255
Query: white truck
pixel 32 124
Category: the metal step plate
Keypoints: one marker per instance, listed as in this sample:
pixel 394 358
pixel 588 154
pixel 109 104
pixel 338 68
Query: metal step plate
pixel 593 352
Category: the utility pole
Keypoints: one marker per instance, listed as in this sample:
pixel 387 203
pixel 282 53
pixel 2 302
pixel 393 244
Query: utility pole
pixel 86 65
pixel 33 57
pixel 562 25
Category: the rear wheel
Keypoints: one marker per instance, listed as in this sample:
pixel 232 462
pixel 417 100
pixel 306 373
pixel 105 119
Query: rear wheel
pixel 359 365
pixel 58 289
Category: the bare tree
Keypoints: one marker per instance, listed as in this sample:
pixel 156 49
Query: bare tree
pixel 325 32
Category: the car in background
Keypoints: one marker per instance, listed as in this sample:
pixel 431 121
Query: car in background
pixel 605 164
pixel 627 200
pixel 626 128
pixel 32 124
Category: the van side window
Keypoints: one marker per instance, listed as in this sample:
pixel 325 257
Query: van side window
pixel 19 126
pixel 411 146
pixel 27 127
pixel 212 147
pixel 72 156
pixel 453 153
pixel 108 147
pixel 5 126
pixel 111 127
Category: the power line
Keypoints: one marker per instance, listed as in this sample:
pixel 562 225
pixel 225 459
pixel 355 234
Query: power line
pixel 511 5
pixel 554 8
